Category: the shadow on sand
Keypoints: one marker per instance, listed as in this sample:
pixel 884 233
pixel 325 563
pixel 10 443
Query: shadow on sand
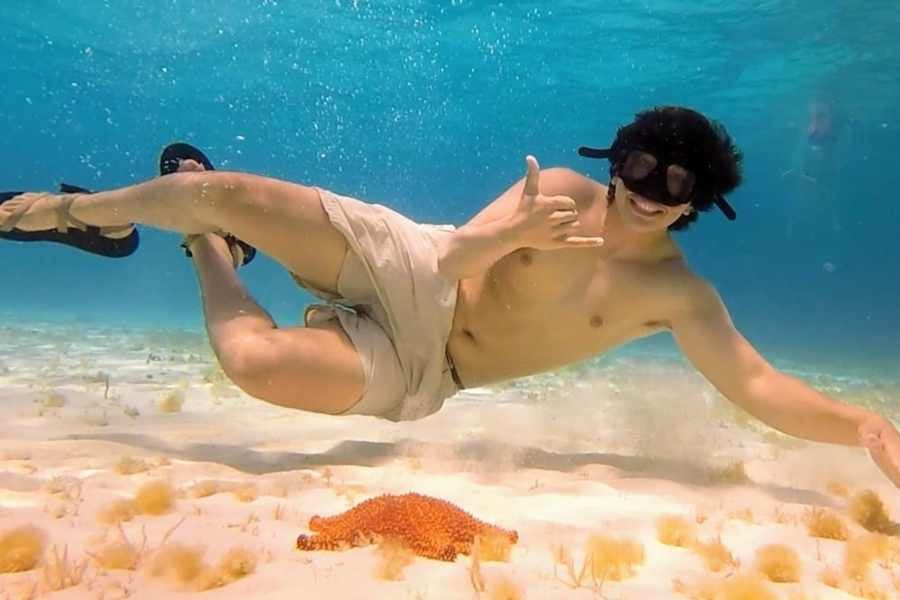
pixel 494 455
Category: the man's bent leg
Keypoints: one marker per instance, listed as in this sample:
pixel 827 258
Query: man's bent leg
pixel 314 369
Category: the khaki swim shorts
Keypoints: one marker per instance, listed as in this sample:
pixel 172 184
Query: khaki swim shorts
pixel 394 306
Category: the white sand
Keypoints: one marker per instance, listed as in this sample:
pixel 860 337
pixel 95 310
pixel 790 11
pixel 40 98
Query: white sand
pixel 555 458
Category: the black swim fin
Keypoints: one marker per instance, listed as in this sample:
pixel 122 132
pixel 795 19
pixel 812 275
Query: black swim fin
pixel 78 235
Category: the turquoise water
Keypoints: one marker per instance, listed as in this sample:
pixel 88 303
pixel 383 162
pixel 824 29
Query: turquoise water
pixel 429 107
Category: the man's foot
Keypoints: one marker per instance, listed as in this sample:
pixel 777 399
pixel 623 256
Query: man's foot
pixel 186 165
pixel 215 243
pixel 184 157
pixel 31 212
pixel 42 211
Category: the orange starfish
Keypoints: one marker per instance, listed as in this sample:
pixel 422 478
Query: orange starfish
pixel 428 526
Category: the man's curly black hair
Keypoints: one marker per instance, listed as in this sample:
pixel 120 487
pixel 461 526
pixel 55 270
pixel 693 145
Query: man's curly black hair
pixel 686 137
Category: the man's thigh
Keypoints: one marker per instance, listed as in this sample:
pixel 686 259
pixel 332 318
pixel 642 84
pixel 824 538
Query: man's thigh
pixel 287 222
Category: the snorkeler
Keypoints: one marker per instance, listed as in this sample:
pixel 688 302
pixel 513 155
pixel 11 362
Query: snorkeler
pixel 557 269
pixel 812 185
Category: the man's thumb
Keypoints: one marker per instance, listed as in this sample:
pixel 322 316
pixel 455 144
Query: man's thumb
pixel 532 177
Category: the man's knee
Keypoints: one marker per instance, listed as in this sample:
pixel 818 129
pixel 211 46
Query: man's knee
pixel 243 358
pixel 306 369
pixel 209 193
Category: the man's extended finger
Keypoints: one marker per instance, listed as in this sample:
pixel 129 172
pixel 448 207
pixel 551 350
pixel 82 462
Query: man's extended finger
pixel 563 216
pixel 561 202
pixel 584 242
pixel 532 176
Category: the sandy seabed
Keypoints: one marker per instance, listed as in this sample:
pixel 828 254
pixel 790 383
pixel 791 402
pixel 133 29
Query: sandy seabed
pixel 97 428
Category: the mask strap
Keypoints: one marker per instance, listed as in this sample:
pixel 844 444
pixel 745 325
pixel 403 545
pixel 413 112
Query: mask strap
pixel 595 152
pixel 726 208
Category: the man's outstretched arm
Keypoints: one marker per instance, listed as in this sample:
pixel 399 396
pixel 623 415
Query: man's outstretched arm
pixel 705 333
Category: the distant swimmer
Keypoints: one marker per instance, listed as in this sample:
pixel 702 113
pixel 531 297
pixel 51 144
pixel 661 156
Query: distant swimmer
pixel 821 122
pixel 557 269
pixel 813 180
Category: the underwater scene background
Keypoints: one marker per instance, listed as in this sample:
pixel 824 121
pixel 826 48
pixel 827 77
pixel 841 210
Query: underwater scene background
pixel 430 107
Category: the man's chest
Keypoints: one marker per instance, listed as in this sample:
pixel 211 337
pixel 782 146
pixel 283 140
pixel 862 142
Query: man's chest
pixel 571 293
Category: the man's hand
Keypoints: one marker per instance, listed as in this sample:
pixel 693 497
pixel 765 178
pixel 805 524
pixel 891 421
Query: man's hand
pixel 547 222
pixel 882 441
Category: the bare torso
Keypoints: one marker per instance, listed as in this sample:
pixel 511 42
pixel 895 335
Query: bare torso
pixel 535 311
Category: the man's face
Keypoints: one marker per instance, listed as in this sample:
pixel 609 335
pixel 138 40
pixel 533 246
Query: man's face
pixel 643 214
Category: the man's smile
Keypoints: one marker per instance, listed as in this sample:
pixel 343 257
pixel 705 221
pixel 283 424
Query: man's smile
pixel 644 207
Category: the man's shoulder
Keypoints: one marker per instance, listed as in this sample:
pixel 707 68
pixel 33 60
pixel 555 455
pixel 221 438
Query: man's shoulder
pixel 685 289
pixel 567 176
pixel 563 181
